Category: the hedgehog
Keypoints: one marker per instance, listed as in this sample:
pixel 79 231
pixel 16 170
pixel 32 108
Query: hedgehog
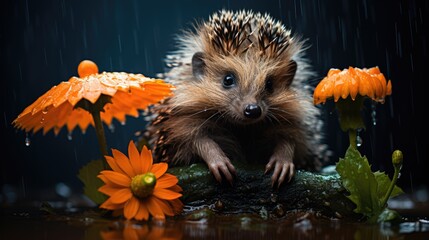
pixel 242 94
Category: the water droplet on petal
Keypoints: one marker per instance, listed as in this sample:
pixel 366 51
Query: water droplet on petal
pixel 45 110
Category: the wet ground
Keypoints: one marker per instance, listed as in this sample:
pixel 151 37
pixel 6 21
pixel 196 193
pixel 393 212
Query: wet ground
pixel 60 220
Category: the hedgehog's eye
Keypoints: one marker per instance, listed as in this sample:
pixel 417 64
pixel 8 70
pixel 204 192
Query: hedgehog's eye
pixel 269 85
pixel 229 81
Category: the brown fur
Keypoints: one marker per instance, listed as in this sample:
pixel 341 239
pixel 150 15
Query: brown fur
pixel 204 120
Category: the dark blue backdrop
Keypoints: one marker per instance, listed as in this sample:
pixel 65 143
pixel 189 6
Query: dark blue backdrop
pixel 42 43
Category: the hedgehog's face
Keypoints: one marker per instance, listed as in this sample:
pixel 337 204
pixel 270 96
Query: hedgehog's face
pixel 243 90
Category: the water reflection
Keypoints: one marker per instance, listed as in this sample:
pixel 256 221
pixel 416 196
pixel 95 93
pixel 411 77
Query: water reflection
pixel 297 225
pixel 135 231
pixel 88 224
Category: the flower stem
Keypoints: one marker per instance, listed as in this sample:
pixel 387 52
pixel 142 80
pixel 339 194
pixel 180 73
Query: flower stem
pixel 99 130
pixel 397 164
pixel 95 110
pixel 352 138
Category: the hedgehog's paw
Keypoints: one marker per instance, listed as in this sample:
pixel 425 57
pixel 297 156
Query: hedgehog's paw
pixel 282 168
pixel 221 166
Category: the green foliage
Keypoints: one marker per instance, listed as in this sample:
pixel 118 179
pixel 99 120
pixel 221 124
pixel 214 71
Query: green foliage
pixel 367 189
pixel 88 175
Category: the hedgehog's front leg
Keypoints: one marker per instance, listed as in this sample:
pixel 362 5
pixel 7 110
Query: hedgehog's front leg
pixel 217 162
pixel 282 162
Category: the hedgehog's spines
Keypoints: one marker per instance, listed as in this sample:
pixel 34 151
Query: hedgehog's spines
pixel 228 31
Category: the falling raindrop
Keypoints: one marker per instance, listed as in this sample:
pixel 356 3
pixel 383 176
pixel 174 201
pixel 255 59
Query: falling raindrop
pixel 27 140
pixel 136 42
pixel 112 128
pixel 69 136
pixel 122 123
pixel 373 114
pixel 359 141
pixel 120 43
pixel 23 186
pixel 85 44
pixel 5 119
pixel 358 138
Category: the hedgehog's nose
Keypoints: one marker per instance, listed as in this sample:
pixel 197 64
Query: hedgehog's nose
pixel 252 111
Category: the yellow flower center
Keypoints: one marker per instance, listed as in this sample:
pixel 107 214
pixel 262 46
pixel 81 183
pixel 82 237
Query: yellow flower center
pixel 142 185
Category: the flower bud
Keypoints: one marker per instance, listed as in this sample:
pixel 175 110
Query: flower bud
pixel 142 185
pixel 397 158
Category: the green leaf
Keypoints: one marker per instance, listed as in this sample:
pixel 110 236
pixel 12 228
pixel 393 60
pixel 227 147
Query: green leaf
pixel 383 185
pixel 359 180
pixel 367 189
pixel 88 175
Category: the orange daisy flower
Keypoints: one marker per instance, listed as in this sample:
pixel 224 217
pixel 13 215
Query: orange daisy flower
pixel 349 82
pixel 349 88
pixel 138 188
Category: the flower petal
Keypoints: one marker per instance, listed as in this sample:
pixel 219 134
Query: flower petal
pixel 121 196
pixel 131 208
pixel 111 206
pixel 146 159
pixel 159 169
pixel 123 162
pixel 112 163
pixel 116 178
pixel 177 205
pixel 176 188
pixel 166 194
pixel 108 190
pixel 142 213
pixel 165 181
pixel 166 208
pixel 389 88
pixel 134 156
pixel 154 209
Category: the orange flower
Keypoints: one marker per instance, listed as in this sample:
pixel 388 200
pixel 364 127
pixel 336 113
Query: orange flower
pixel 358 84
pixel 349 82
pixel 64 104
pixel 138 187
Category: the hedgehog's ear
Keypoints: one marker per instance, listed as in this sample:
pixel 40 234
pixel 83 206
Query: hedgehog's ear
pixel 290 73
pixel 198 65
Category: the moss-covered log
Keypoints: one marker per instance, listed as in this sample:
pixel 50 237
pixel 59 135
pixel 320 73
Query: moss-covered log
pixel 252 192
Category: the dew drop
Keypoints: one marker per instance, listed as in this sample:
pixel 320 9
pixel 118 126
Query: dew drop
pixel 27 140
pixel 45 110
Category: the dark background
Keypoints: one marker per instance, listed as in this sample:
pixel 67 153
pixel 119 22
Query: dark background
pixel 42 42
